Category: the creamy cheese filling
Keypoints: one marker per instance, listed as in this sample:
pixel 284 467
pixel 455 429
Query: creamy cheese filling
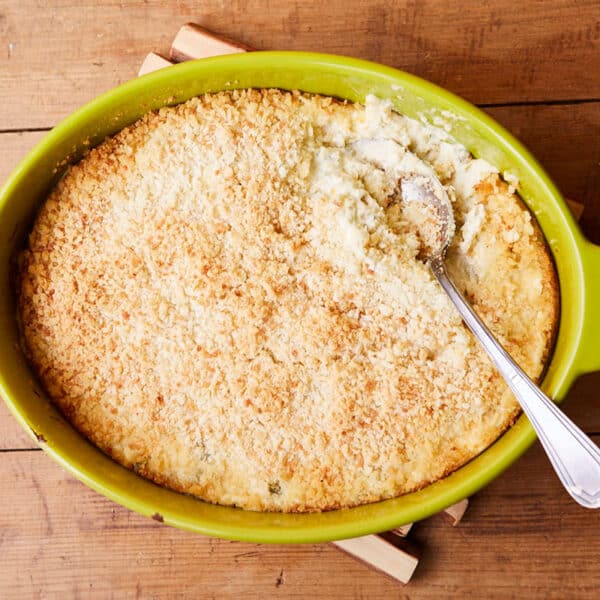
pixel 359 167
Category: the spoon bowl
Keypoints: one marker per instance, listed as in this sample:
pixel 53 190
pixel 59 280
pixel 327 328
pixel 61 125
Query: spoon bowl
pixel 427 205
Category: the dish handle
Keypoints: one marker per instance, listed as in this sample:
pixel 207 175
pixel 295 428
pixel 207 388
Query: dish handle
pixel 588 355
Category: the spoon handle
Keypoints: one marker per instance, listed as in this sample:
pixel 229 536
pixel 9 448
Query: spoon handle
pixel 575 458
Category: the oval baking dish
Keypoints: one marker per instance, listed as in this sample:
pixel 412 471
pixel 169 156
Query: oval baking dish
pixel 577 261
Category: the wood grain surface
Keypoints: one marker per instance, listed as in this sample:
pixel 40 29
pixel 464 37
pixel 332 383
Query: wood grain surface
pixel 58 54
pixel 533 66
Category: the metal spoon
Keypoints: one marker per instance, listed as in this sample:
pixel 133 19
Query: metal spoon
pixel 575 458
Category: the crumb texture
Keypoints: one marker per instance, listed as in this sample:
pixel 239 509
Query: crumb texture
pixel 226 297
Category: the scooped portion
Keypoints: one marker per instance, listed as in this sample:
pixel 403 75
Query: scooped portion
pixel 228 298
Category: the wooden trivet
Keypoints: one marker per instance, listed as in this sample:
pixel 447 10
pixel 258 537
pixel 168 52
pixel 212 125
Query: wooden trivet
pixel 386 552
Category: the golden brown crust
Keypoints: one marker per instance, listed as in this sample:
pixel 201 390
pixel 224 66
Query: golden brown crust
pixel 206 321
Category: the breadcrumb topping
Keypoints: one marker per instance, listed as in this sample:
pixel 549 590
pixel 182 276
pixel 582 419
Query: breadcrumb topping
pixel 225 297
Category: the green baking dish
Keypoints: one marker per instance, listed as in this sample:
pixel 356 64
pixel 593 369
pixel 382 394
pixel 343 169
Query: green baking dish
pixel 577 261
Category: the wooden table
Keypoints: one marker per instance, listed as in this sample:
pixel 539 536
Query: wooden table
pixel 535 67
